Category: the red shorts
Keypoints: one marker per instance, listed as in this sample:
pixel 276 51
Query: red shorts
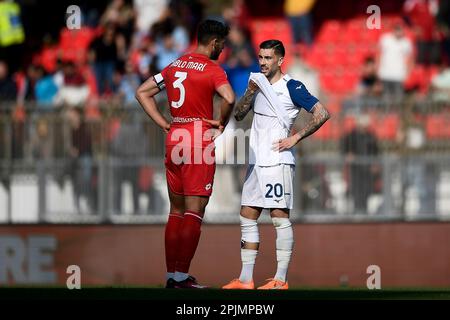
pixel 188 177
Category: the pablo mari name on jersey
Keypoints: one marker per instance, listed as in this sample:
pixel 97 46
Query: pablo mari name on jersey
pixel 189 65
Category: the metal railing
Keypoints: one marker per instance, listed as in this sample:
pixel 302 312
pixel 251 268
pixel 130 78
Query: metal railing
pixel 117 175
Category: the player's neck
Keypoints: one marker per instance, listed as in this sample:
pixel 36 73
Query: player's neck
pixel 277 76
pixel 203 50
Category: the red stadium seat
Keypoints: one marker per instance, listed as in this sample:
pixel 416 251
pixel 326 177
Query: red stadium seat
pixel 417 79
pixel 329 131
pixel 327 81
pixel 386 126
pixel 330 32
pixel 341 55
pixel 370 36
pixel 349 124
pixel 437 126
pixel 263 29
pixel 315 55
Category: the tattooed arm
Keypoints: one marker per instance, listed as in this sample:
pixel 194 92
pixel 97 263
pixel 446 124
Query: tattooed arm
pixel 320 116
pixel 245 103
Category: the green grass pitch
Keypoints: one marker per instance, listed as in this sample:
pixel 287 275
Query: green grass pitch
pixel 155 293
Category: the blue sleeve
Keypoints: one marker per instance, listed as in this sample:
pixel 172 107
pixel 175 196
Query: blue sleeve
pixel 300 96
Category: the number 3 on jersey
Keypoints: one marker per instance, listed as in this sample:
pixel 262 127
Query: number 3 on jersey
pixel 181 76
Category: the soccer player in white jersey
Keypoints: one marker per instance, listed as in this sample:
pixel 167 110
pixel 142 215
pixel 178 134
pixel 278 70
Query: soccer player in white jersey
pixel 269 179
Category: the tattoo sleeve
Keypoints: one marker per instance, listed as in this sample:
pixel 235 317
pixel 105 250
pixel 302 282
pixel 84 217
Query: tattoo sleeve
pixel 320 116
pixel 244 105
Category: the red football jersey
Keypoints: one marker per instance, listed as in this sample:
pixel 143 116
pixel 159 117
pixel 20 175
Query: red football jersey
pixel 191 82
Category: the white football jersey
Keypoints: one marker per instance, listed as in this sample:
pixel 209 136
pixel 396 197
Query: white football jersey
pixel 267 129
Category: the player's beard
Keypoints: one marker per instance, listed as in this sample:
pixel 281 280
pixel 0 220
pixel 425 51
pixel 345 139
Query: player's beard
pixel 269 73
pixel 215 54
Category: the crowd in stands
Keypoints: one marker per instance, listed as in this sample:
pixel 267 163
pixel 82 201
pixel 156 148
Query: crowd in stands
pixel 131 40
pixel 365 73
pixel 350 66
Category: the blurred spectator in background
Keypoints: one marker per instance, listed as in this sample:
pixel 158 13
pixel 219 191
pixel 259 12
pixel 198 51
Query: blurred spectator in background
pixel 443 20
pixel 104 54
pixel 237 14
pixel 369 90
pixel 370 84
pixel 80 154
pixel 12 34
pixel 298 69
pixel 121 14
pixel 41 142
pixel 8 88
pixel 129 83
pixel 148 12
pixel 420 14
pixel 299 14
pixel 42 153
pixel 130 146
pixel 74 90
pixel 419 176
pixel 27 90
pixel 58 74
pixel 395 61
pixel 240 60
pixel 214 9
pixel 315 189
pixel 360 148
pixel 145 60
pixel 440 85
pixel 171 41
pixel 46 91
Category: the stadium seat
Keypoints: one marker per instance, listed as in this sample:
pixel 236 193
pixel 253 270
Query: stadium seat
pixel 329 131
pixel 437 126
pixel 327 80
pixel 341 55
pixel 263 29
pixel 417 79
pixel 348 124
pixel 386 126
pixel 330 32
pixel 314 57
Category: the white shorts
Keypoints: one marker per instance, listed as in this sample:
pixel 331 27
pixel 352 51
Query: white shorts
pixel 269 187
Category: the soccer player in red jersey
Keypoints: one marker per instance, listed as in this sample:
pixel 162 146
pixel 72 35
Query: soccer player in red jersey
pixel 191 82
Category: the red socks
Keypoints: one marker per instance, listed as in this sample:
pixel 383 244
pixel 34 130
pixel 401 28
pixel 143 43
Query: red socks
pixel 188 240
pixel 173 229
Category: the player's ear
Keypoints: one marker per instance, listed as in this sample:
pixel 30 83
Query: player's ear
pixel 280 61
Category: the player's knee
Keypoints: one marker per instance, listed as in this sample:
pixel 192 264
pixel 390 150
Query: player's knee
pixel 179 210
pixel 249 230
pixel 285 235
pixel 281 223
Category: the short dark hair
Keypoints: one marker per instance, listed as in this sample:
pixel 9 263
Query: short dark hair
pixel 276 45
pixel 209 29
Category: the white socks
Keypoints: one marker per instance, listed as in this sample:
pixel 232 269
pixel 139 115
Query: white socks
pixel 248 257
pixel 170 275
pixel 250 233
pixel 180 276
pixel 284 245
